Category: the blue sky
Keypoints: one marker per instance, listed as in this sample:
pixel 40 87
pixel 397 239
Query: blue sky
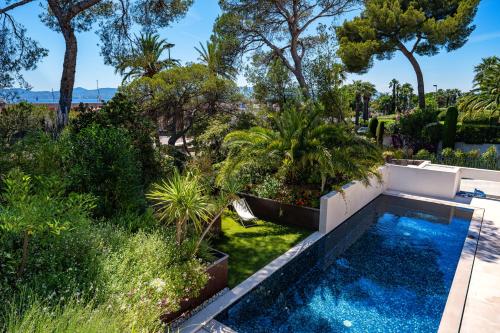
pixel 447 70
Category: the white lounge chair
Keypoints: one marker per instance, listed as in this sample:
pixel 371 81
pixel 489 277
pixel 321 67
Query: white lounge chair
pixel 244 212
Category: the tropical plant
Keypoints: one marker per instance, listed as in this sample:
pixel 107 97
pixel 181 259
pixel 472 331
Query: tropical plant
pixel 406 94
pixel 180 201
pixel 144 58
pixel 486 94
pixel 213 55
pixel 298 141
pixel 357 89
pixel 368 90
pixel 114 20
pixel 394 85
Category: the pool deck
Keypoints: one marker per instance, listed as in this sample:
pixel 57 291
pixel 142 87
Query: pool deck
pixel 482 306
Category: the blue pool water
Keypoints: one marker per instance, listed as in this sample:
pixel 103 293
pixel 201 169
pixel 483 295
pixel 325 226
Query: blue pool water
pixel 388 268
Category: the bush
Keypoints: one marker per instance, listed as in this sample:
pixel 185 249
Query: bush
pixel 135 278
pixel 431 134
pixel 478 134
pixel 380 132
pixel 479 118
pixel 450 128
pixel 121 112
pixel 412 124
pixel 18 120
pixel 471 159
pixel 441 115
pixel 423 154
pixel 102 161
pixel 269 188
pixel 372 126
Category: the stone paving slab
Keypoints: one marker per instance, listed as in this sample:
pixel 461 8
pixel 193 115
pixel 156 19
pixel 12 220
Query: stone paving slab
pixel 482 307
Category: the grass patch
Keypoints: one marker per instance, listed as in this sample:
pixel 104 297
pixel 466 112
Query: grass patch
pixel 252 248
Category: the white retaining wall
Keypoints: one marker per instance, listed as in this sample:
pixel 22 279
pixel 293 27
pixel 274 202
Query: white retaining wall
pixel 336 207
pixel 481 174
pixel 426 179
pixel 429 180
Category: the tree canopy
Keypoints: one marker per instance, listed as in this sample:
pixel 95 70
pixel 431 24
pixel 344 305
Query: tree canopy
pixel 115 20
pixel 283 29
pixel 411 27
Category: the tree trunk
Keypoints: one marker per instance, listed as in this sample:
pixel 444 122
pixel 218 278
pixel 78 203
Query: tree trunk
pixel 24 258
pixel 358 109
pixel 302 81
pixel 366 104
pixel 68 75
pixel 418 71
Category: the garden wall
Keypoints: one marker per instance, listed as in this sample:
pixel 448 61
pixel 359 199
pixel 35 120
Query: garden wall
pixel 280 213
pixel 432 180
pixel 336 207
pixel 480 174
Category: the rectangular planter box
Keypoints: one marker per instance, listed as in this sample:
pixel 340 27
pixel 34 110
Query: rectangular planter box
pixel 217 272
pixel 285 214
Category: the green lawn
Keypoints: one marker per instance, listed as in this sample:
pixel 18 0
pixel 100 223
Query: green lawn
pixel 252 248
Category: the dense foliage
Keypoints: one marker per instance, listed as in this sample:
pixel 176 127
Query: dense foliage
pixel 298 141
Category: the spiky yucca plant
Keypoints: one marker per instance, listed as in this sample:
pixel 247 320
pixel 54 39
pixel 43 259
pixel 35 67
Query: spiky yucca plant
pixel 180 201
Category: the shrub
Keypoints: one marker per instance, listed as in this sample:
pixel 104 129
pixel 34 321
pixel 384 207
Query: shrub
pixel 411 125
pixel 372 126
pixel 441 115
pixel 479 118
pixel 269 188
pixel 102 161
pixel 121 112
pixel 450 128
pixel 32 220
pixel 380 132
pixel 478 134
pixel 423 154
pixel 18 120
pixel 136 278
pixel 432 133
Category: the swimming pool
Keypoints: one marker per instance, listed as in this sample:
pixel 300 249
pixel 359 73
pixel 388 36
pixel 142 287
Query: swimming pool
pixel 388 268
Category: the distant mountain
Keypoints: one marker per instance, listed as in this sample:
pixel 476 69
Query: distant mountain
pixel 79 95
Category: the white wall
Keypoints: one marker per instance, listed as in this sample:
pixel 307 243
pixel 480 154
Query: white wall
pixel 480 174
pixel 337 207
pixel 426 179
pixel 429 180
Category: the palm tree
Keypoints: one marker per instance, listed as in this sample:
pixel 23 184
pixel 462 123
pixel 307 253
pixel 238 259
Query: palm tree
pixel 394 84
pixel 357 88
pixel 144 59
pixel 300 142
pixel 482 69
pixel 406 95
pixel 181 201
pixel 486 94
pixel 368 90
pixel 211 54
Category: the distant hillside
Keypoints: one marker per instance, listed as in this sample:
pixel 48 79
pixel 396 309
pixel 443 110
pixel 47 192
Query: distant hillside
pixel 79 95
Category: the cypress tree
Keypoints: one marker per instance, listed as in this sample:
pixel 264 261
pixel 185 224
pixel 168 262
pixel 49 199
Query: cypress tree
pixel 450 127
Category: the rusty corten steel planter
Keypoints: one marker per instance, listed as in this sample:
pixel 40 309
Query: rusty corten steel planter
pixel 285 214
pixel 217 272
